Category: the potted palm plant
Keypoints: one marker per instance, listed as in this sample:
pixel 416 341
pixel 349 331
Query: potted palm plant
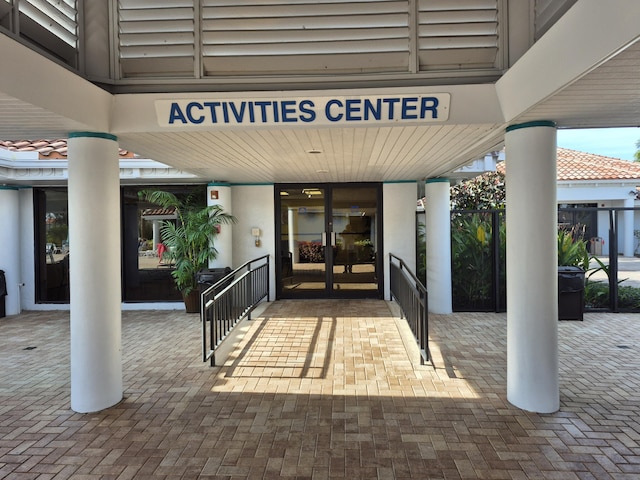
pixel 190 240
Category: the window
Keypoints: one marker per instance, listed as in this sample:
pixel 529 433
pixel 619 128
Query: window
pixel 52 245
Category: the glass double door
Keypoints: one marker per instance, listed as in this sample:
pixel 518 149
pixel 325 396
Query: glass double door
pixel 330 239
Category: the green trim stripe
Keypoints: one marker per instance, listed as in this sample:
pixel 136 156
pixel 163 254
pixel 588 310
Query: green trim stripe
pixel 218 184
pixel 106 136
pixel 537 123
pixel 437 180
pixel 399 181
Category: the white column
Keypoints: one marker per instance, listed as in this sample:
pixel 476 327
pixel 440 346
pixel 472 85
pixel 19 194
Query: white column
pixel 156 234
pixel 292 224
pixel 532 271
pixel 220 194
pixel 399 226
pixel 95 273
pixel 10 248
pixel 438 238
pixel 627 248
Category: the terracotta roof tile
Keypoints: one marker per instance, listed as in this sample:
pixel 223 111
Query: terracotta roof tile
pixel 47 149
pixel 157 211
pixel 575 165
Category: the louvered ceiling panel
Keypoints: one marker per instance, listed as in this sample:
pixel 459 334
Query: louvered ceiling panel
pixel 304 36
pixel 56 16
pixel 156 37
pixel 547 12
pixel 458 35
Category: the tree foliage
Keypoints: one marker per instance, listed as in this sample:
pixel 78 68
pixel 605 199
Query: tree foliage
pixel 484 192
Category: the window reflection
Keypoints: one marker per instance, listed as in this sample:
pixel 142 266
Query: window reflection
pixel 146 267
pixel 54 246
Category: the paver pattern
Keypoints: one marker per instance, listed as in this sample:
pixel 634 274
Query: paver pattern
pixel 319 390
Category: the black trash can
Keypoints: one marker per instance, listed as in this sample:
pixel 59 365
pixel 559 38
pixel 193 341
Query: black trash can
pixel 570 293
pixel 3 294
pixel 210 276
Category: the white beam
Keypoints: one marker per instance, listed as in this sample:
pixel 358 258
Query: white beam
pixel 32 78
pixel 470 104
pixel 590 33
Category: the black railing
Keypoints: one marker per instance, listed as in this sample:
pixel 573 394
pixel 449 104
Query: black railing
pixel 411 295
pixel 225 303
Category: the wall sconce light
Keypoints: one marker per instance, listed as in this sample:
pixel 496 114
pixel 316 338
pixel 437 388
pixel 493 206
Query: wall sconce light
pixel 255 231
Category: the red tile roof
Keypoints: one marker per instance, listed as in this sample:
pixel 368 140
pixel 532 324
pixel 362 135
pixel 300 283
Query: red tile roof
pixel 574 165
pixel 159 212
pixel 47 149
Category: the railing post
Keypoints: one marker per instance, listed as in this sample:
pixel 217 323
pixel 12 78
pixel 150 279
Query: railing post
pixel 411 296
pixel 225 304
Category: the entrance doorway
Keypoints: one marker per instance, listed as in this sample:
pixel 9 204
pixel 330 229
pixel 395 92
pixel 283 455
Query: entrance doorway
pixel 330 238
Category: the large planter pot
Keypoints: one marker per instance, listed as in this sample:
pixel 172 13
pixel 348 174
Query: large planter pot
pixel 192 301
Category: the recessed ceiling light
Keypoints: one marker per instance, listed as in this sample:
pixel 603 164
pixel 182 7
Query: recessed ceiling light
pixel 314 151
pixel 322 171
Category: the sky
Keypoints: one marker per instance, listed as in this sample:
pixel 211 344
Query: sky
pixel 609 142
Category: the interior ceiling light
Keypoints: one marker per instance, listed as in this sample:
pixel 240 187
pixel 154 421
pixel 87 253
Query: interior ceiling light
pixel 309 192
pixel 314 151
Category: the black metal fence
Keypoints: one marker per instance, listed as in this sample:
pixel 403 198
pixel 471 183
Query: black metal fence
pixel 478 261
pixel 411 295
pixel 229 300
pixel 478 256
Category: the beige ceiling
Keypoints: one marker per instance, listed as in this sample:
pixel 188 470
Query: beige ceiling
pixel 608 96
pixel 344 154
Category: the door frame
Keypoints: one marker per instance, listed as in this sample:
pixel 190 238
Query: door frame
pixel 329 292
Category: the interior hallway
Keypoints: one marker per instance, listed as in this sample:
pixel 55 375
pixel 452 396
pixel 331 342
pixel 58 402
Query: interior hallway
pixel 317 390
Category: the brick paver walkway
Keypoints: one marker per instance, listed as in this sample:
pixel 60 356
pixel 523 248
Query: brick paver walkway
pixel 317 390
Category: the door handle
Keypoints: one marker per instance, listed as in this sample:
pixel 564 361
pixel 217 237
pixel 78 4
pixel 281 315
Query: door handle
pixel 333 239
pixel 324 239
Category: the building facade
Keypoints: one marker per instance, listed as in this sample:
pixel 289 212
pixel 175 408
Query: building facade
pixel 351 103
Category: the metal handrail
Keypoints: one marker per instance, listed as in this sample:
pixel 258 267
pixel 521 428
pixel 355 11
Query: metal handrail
pixel 411 295
pixel 229 300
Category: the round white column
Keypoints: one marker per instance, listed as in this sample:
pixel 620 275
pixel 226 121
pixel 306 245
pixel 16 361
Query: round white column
pixel 95 273
pixel 438 238
pixel 156 234
pixel 532 270
pixel 220 194
pixel 292 223
pixel 627 248
pixel 10 247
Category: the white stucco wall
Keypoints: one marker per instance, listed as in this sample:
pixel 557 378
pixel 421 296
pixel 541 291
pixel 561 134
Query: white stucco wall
pixel 10 248
pixel 253 206
pixel 399 220
pixel 27 257
pixel 606 194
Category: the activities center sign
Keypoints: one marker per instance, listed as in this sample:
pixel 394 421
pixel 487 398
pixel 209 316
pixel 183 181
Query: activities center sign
pixel 316 111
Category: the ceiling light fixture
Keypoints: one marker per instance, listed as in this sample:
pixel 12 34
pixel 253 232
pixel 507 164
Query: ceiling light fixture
pixel 309 192
pixel 314 151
